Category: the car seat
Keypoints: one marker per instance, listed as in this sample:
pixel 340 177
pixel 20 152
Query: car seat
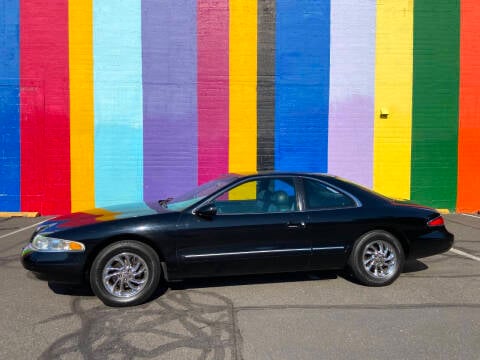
pixel 264 197
pixel 280 202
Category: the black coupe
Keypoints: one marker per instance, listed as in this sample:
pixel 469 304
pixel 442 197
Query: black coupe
pixel 260 223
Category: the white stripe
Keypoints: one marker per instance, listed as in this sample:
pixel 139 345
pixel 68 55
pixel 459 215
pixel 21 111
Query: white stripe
pixel 475 216
pixel 463 253
pixel 329 248
pixel 246 252
pixel 264 251
pixel 20 230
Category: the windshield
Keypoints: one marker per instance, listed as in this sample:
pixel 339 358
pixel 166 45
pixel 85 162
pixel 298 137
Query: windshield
pixel 191 197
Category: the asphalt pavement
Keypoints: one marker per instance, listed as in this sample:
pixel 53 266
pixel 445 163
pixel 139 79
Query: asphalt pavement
pixel 431 312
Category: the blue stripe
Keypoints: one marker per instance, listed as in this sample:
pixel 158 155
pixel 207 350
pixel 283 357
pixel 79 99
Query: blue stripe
pixel 302 58
pixel 118 101
pixel 9 107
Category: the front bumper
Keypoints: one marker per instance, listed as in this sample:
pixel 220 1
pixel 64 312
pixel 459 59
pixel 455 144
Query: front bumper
pixel 64 267
pixel 432 243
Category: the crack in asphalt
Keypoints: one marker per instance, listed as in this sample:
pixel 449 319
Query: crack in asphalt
pixel 442 276
pixel 178 320
pixel 361 306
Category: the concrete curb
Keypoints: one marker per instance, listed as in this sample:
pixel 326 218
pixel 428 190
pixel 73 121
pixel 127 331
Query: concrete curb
pixel 443 211
pixel 29 214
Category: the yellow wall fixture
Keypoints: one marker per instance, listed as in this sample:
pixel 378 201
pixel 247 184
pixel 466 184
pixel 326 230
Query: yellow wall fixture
pixel 384 112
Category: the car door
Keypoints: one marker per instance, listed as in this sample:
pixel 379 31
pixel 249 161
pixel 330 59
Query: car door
pixel 332 222
pixel 257 228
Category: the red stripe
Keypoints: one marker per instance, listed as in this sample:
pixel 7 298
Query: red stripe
pixel 213 86
pixel 468 194
pixel 44 110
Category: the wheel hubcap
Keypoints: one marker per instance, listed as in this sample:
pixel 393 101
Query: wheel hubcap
pixel 380 259
pixel 125 275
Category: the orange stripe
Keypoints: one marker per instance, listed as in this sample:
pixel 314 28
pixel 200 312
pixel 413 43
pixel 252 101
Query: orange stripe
pixel 81 104
pixel 468 195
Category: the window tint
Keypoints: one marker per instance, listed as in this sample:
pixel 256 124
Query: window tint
pixel 259 196
pixel 321 196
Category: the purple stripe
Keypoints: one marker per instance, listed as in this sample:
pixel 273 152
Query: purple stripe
pixel 169 42
pixel 352 89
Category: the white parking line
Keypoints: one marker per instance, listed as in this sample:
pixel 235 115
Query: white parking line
pixel 463 253
pixel 475 216
pixel 22 229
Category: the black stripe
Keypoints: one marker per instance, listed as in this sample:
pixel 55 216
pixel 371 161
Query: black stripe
pixel 266 85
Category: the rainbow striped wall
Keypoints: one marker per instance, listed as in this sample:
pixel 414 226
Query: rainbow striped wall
pixel 103 102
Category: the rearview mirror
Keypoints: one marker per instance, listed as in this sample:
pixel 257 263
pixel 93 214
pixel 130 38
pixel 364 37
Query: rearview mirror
pixel 207 211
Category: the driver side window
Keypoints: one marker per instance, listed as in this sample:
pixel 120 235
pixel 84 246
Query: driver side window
pixel 268 195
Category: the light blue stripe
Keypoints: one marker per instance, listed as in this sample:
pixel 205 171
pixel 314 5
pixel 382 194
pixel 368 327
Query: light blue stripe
pixel 118 98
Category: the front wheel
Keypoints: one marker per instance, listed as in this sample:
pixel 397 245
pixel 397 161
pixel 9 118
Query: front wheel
pixel 377 258
pixel 125 273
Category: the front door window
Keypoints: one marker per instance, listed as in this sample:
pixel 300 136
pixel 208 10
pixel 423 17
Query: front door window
pixel 268 195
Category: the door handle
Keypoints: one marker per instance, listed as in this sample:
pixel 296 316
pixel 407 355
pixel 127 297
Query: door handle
pixel 300 225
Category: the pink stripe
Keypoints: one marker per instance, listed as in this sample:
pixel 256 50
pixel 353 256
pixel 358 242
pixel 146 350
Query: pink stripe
pixel 212 42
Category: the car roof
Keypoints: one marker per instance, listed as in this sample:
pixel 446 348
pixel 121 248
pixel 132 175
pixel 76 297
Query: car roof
pixel 280 173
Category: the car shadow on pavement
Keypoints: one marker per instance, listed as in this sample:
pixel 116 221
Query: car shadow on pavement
pixel 67 289
pixel 414 266
pixel 199 283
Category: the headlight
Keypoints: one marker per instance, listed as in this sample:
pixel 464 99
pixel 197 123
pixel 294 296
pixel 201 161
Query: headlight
pixel 44 243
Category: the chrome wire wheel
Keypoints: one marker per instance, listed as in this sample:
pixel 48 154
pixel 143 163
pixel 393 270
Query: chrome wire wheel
pixel 125 275
pixel 380 259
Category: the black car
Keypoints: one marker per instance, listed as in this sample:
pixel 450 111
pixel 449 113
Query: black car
pixel 260 223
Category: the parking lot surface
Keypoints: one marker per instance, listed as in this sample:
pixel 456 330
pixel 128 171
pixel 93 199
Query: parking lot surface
pixel 431 312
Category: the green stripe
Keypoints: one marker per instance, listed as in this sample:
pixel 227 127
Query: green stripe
pixel 435 102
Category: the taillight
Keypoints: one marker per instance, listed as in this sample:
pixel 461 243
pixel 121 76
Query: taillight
pixel 438 221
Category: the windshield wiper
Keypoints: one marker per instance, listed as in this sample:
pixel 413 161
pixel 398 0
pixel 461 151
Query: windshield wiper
pixel 163 203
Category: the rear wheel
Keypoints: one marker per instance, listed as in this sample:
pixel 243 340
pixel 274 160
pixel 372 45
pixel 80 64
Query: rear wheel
pixel 125 273
pixel 377 258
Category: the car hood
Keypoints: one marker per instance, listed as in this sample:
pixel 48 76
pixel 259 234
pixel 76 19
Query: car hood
pixel 101 215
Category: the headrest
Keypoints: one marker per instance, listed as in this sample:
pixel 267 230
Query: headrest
pixel 280 197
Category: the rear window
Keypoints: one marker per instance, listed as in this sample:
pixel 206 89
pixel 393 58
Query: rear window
pixel 322 196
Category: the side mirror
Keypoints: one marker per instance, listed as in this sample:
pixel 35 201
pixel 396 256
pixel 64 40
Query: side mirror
pixel 207 211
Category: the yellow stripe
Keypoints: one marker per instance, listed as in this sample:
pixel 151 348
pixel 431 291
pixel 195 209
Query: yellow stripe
pixel 81 103
pixel 393 96
pixel 243 86
pixel 247 191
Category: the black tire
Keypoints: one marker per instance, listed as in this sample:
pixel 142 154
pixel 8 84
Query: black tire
pixel 136 250
pixel 362 252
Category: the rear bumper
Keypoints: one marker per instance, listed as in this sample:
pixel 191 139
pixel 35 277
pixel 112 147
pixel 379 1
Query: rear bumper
pixel 60 267
pixel 433 243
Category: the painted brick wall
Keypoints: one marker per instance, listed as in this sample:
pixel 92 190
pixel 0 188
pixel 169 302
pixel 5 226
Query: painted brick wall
pixel 104 102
